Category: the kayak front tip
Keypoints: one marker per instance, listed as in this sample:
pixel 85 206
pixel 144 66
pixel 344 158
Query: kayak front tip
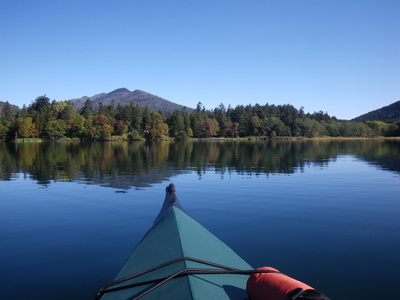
pixel 180 259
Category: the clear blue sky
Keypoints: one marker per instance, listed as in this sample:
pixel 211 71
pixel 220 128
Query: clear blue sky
pixel 342 57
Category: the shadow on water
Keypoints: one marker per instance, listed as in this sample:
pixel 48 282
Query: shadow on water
pixel 125 165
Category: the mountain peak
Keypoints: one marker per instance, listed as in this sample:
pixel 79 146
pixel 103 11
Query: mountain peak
pixel 123 96
pixel 120 90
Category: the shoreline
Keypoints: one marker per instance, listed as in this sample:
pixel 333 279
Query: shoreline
pixel 288 138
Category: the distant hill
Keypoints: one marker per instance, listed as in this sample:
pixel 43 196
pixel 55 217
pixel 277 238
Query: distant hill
pixel 390 112
pixel 124 96
pixel 14 108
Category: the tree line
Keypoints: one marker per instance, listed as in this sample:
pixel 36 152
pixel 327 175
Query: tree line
pixel 58 120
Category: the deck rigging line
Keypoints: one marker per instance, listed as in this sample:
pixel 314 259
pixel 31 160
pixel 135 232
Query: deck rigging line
pixel 108 288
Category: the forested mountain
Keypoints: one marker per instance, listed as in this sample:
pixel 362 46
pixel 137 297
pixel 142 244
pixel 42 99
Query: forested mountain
pixel 124 96
pixel 390 112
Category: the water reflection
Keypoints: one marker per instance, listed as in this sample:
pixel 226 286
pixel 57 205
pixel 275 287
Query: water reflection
pixel 138 164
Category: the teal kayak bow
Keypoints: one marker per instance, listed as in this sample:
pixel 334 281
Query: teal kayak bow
pixel 179 259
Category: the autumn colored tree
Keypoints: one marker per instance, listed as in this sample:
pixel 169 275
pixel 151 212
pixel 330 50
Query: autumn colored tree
pixel 101 129
pixel 156 129
pixel 211 127
pixel 25 127
pixel 105 132
pixel 119 127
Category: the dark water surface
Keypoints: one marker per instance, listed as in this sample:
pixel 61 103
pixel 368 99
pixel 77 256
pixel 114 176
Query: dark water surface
pixel 324 212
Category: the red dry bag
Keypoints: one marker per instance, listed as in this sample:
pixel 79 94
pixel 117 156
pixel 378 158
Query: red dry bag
pixel 274 285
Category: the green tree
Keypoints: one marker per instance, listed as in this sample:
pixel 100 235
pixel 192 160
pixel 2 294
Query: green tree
pixel 68 113
pixel 101 109
pixel 40 112
pixel 136 118
pixel 240 120
pixel 274 126
pixel 124 113
pixel 90 130
pixel 110 110
pixel 56 108
pixel 394 129
pixel 3 132
pixel 197 120
pixel 222 118
pixel 87 109
pixel 41 103
pixel 146 120
pixel 354 129
pixel 333 129
pixel 255 125
pixel 78 129
pixel 179 125
pixel 379 128
pixel 186 120
pixel 55 130
pixel 6 116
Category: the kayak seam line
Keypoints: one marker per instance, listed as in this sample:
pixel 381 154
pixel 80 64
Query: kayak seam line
pixel 182 251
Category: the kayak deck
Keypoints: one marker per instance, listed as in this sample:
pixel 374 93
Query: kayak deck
pixel 176 235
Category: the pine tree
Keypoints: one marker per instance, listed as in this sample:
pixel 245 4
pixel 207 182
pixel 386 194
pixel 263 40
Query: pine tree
pixel 87 109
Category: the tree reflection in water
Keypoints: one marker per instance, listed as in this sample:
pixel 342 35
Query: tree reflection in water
pixel 139 164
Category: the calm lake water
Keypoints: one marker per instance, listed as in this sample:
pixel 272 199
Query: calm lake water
pixel 324 212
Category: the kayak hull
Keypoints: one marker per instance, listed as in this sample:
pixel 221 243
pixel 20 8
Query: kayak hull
pixel 174 235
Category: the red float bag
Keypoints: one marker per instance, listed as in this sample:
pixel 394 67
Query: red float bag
pixel 274 285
